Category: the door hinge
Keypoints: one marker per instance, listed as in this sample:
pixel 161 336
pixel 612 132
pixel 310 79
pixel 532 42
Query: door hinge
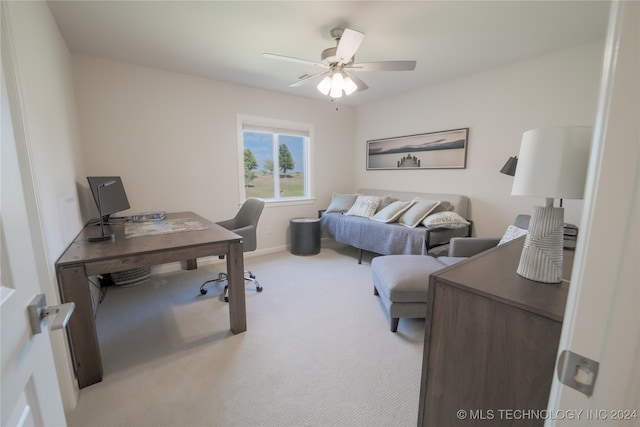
pixel 577 372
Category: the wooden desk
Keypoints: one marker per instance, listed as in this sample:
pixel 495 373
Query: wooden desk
pixel 491 341
pixel 83 259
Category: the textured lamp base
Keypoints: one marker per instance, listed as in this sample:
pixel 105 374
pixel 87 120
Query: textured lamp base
pixel 541 258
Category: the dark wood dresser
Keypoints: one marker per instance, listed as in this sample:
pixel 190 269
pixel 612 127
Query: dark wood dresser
pixel 491 339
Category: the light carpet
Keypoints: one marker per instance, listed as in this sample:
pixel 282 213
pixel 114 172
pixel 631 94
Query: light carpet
pixel 317 351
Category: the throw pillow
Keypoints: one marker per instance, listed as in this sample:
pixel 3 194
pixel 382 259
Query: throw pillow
pixel 447 219
pixel 386 201
pixel 392 212
pixel 341 203
pixel 442 207
pixel 512 232
pixel 364 206
pixel 417 212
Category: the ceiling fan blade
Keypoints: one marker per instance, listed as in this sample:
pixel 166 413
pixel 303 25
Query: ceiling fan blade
pixel 361 85
pixel 307 79
pixel 290 59
pixel 384 66
pixel 348 44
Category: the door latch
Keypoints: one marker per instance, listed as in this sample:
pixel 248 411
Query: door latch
pixel 577 372
pixel 39 314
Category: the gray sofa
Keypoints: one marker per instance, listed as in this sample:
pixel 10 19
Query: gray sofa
pixel 393 238
pixel 402 281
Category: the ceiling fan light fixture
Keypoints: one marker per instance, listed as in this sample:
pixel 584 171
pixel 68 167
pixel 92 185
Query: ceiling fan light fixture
pixel 337 84
pixel 349 86
pixel 325 85
pixel 337 62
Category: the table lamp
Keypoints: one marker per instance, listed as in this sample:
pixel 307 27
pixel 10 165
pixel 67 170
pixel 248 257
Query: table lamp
pixel 552 164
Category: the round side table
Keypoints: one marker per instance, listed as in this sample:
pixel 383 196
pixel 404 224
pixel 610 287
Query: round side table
pixel 305 236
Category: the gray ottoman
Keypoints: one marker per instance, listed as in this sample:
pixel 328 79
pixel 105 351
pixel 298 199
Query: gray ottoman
pixel 401 281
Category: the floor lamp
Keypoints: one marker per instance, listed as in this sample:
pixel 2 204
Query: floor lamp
pixel 552 164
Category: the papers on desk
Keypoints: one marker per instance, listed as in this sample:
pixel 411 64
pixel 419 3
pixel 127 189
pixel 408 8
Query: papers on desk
pixel 149 216
pixel 150 228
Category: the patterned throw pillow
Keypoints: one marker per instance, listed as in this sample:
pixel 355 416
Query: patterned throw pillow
pixel 392 212
pixel 512 232
pixel 385 201
pixel 341 203
pixel 417 212
pixel 447 219
pixel 364 206
pixel 443 206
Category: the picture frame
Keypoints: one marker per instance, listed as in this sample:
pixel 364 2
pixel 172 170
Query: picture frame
pixel 445 149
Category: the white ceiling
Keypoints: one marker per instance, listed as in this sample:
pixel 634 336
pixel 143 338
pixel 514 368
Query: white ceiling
pixel 225 40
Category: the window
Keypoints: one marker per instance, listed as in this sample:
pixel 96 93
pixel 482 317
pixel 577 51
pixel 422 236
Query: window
pixel 274 159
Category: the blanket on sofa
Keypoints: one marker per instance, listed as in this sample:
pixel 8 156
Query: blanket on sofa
pixel 377 237
pixel 394 238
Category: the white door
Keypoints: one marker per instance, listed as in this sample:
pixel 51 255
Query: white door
pixel 30 395
pixel 602 321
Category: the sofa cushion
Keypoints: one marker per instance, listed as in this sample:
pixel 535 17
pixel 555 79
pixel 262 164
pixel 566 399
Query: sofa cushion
pixel 404 278
pixel 364 206
pixel 341 203
pixel 512 232
pixel 447 219
pixel 385 201
pixel 392 212
pixel 443 207
pixel 417 212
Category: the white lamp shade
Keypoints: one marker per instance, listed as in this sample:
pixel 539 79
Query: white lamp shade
pixel 349 86
pixel 553 163
pixel 325 85
pixel 337 84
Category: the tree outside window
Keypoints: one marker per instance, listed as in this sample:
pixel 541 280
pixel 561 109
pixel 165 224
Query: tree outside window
pixel 275 163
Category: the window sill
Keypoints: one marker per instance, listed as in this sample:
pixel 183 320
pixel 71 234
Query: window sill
pixel 290 202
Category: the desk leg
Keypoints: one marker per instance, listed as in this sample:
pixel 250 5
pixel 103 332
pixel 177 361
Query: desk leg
pixel 235 272
pixel 81 330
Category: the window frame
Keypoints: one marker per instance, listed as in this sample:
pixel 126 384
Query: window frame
pixel 271 124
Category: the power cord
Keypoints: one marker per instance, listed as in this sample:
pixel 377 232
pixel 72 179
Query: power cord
pixel 101 295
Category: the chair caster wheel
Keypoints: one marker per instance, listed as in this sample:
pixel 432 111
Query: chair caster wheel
pixel 259 288
pixel 226 299
pixel 203 291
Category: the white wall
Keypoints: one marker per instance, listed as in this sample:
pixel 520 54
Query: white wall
pixel 42 62
pixel 172 138
pixel 498 106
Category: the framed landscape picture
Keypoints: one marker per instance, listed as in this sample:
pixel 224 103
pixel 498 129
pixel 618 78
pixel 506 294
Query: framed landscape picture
pixel 434 150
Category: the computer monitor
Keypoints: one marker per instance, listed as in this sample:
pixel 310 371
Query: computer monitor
pixel 113 198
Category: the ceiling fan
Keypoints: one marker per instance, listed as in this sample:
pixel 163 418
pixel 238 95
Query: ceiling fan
pixel 339 63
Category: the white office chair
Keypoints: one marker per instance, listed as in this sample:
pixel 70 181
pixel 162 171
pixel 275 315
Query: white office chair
pixel 245 223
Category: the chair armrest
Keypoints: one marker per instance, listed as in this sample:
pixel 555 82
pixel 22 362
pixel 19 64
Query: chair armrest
pixel 229 224
pixel 470 246
pixel 249 239
pixel 244 231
